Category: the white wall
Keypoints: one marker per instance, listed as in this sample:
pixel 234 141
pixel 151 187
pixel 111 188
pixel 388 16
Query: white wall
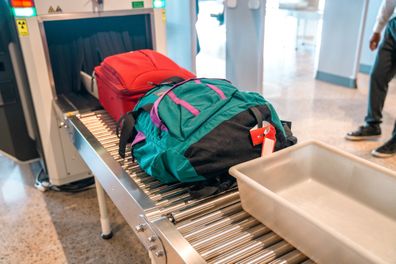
pixel 343 25
pixel 245 43
pixel 181 33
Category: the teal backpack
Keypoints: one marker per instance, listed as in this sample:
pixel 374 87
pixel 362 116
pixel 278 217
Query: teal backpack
pixel 195 130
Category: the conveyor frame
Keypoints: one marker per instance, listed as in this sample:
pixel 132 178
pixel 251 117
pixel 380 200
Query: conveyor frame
pixel 132 202
pixel 172 226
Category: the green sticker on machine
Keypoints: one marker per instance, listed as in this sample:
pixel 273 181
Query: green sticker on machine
pixel 138 4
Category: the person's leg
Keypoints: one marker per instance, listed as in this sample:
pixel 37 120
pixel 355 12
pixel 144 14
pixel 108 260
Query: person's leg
pixel 382 73
pixel 388 149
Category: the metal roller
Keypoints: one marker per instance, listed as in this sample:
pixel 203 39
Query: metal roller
pixel 133 166
pixel 98 125
pixel 293 257
pixel 173 194
pixel 164 188
pixel 191 203
pixel 138 174
pixel 193 223
pixel 199 233
pixel 93 120
pixel 129 164
pixel 97 115
pixel 173 200
pixel 161 188
pixel 99 128
pixel 143 184
pixel 102 135
pixel 109 141
pixel 269 254
pixel 239 241
pixel 148 186
pixel 134 171
pixel 104 117
pixel 87 115
pixel 142 178
pixel 247 249
pixel 226 233
pixel 115 155
pixel 199 209
pixel 126 160
pixel 166 195
pixel 153 186
pixel 113 151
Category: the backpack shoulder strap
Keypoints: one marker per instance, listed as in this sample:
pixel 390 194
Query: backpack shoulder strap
pixel 126 132
pixel 126 128
pixel 257 115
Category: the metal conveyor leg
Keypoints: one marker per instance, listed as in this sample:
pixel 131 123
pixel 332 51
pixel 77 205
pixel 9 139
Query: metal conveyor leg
pixel 104 215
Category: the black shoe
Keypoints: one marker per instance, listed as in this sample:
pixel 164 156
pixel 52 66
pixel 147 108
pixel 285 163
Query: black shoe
pixel 364 132
pixel 387 150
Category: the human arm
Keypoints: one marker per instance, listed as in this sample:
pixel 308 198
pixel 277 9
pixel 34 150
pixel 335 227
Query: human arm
pixel 385 12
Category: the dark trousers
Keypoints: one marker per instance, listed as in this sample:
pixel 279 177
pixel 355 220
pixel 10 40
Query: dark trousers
pixel 383 71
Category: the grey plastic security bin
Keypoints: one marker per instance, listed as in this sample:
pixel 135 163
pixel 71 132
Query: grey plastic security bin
pixel 331 205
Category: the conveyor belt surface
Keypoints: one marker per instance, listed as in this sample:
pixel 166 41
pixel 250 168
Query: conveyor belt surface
pixel 216 227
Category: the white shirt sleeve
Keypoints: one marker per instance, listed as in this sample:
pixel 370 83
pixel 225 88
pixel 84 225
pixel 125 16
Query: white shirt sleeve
pixel 385 12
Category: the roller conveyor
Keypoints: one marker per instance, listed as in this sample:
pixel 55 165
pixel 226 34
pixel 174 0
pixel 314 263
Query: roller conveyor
pixel 172 225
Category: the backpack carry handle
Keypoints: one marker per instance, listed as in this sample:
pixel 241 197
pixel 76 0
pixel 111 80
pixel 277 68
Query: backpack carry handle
pixel 154 111
pixel 154 115
pixel 172 80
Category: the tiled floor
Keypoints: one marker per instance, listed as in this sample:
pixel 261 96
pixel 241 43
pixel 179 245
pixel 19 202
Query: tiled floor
pixel 54 227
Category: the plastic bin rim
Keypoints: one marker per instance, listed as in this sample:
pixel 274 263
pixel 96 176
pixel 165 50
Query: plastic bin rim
pixel 235 169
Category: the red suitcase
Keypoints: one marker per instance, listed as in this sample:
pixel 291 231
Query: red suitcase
pixel 124 78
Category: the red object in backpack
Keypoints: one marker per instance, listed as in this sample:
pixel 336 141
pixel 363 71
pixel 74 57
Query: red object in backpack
pixel 124 78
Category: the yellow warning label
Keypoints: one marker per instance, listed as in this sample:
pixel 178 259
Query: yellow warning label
pixel 22 27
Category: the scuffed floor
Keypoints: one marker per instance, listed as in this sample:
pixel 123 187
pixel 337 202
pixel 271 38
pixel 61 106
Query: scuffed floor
pixel 55 227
